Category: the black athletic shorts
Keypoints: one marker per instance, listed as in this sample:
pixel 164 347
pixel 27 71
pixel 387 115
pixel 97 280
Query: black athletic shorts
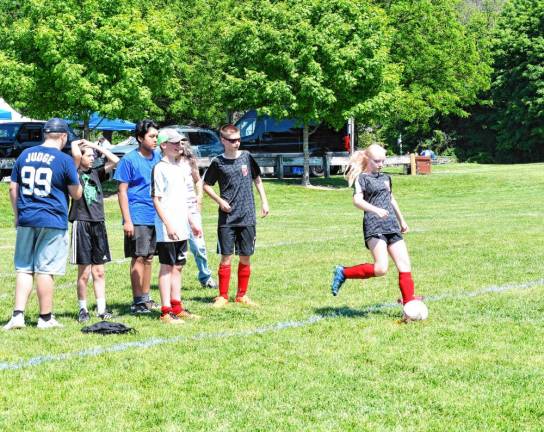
pixel 387 238
pixel 143 243
pixel 236 239
pixel 172 253
pixel 89 243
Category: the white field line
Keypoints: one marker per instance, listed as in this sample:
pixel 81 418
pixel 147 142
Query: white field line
pixel 271 328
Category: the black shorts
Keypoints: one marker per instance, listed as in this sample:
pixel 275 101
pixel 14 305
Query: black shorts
pixel 89 243
pixel 172 253
pixel 239 239
pixel 143 243
pixel 388 238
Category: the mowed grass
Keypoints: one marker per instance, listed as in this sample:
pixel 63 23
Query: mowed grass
pixel 307 361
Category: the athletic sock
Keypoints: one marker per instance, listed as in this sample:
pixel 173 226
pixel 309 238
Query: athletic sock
pixel 82 304
pixel 244 271
pixel 46 317
pixel 100 305
pixel 224 280
pixel 139 299
pixel 18 312
pixel 406 285
pixel 177 306
pixel 361 271
pixel 165 310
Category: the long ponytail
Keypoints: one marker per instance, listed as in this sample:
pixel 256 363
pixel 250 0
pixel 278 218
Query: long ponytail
pixel 359 161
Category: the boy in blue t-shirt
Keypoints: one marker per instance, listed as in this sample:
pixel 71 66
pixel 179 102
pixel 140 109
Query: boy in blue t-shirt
pixel 41 180
pixel 134 176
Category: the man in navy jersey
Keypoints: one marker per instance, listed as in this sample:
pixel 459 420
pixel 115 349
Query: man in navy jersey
pixel 41 180
pixel 236 171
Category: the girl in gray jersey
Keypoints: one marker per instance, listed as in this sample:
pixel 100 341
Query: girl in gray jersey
pixel 383 223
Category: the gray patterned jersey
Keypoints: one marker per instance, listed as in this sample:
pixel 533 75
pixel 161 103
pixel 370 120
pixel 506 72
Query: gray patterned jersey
pixel 376 190
pixel 235 177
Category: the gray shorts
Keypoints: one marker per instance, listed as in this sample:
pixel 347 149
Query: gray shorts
pixel 41 250
pixel 143 243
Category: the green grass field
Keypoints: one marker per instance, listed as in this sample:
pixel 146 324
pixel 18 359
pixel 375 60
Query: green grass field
pixel 307 361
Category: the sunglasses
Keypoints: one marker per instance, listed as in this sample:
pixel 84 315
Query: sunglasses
pixel 231 140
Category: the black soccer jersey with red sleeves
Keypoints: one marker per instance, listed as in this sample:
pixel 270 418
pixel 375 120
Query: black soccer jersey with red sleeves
pixel 235 178
pixel 376 190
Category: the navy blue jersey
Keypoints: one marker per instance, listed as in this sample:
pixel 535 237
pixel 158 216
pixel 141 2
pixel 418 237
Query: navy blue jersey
pixel 44 174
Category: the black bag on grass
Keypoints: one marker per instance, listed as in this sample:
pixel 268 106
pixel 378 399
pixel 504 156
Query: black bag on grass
pixel 107 327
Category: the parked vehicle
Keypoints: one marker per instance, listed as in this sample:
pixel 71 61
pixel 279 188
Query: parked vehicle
pixel 205 142
pixel 264 134
pixel 15 136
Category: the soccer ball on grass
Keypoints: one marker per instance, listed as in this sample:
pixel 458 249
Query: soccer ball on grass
pixel 415 310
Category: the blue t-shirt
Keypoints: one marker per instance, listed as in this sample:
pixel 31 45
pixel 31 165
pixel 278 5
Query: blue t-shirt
pixel 135 170
pixel 43 175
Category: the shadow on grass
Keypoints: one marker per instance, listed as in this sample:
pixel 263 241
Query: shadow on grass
pixel 347 312
pixel 206 300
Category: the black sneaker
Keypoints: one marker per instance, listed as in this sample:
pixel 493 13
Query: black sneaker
pixel 105 316
pixel 83 316
pixel 139 309
pixel 152 305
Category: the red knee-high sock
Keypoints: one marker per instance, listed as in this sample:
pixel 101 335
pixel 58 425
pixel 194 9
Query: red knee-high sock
pixel 406 285
pixel 224 280
pixel 244 271
pixel 361 271
pixel 177 306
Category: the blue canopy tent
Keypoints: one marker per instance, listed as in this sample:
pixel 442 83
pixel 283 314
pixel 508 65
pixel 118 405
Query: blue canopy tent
pixel 5 115
pixel 97 122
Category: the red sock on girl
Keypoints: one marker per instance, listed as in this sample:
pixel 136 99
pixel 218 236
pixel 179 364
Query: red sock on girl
pixel 361 271
pixel 406 285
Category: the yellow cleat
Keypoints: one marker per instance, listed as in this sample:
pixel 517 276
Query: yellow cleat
pixel 220 302
pixel 245 300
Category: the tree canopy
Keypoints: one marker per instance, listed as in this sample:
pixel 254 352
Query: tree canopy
pixel 70 58
pixel 518 81
pixel 401 66
pixel 320 60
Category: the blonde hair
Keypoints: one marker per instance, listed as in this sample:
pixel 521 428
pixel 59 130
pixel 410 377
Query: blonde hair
pixel 359 161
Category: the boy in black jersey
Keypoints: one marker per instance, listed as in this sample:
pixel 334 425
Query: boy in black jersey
pixel 235 171
pixel 90 249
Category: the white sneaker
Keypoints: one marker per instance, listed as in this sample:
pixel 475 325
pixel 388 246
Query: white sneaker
pixel 15 322
pixel 52 323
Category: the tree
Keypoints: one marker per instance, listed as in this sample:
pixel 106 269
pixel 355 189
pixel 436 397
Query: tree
pixel 518 82
pixel 444 65
pixel 70 58
pixel 314 60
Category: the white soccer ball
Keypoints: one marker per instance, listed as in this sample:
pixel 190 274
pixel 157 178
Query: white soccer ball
pixel 416 310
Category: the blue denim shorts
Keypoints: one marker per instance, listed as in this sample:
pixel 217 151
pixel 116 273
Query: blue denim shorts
pixel 41 250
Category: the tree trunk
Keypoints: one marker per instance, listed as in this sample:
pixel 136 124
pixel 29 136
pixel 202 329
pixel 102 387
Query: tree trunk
pixel 305 147
pixel 86 131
